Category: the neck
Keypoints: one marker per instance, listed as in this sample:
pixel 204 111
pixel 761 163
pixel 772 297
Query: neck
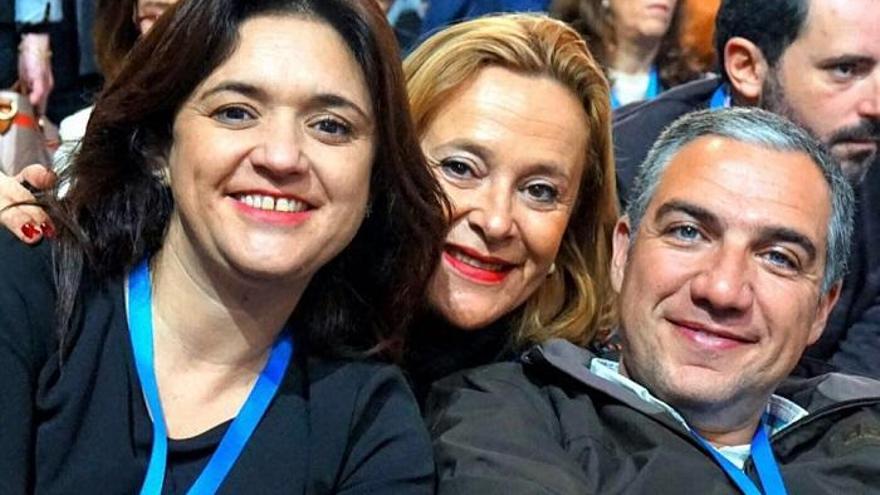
pixel 205 318
pixel 635 55
pixel 723 424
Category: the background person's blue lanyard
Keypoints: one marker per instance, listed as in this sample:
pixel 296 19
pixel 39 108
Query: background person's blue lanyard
pixel 720 98
pixel 765 463
pixel 653 91
pixel 140 322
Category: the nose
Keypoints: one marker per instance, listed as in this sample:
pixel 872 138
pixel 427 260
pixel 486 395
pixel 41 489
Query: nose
pixel 280 150
pixel 491 213
pixel 722 285
pixel 869 107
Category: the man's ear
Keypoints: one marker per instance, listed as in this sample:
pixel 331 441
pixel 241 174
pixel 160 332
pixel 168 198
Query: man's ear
pixel 620 244
pixel 746 69
pixel 826 304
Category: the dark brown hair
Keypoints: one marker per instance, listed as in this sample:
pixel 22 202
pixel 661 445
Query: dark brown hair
pixel 596 24
pixel 118 206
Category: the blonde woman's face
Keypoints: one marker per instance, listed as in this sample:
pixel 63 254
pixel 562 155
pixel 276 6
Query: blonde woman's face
pixel 509 152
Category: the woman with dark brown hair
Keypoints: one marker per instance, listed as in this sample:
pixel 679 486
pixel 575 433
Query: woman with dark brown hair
pixel 246 222
pixel 637 41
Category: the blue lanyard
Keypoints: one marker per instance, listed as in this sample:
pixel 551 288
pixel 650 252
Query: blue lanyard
pixel 653 91
pixel 140 322
pixel 720 98
pixel 762 454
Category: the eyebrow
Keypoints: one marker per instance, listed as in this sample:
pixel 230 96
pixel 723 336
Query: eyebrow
pixel 698 213
pixel 485 153
pixel 320 100
pixel 766 234
pixel 848 59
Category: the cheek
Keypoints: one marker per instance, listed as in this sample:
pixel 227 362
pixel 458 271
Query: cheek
pixel 542 234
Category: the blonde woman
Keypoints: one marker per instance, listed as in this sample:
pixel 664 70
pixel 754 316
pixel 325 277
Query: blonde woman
pixel 514 117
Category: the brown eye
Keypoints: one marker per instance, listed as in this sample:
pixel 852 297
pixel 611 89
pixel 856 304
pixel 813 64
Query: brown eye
pixel 456 168
pixel 544 193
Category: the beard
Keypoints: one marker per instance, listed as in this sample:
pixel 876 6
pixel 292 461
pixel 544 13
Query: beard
pixel 854 165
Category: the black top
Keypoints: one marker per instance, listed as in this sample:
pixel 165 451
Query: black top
pixel 438 349
pixel 334 427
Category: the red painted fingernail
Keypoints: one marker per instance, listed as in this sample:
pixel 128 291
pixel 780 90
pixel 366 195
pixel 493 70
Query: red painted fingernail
pixel 29 230
pixel 47 229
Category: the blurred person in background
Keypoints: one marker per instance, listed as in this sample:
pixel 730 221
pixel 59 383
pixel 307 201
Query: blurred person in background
pixel 405 16
pixel 698 33
pixel 637 41
pixel 118 25
pixel 445 12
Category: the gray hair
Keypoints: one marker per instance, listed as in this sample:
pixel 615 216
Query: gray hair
pixel 761 128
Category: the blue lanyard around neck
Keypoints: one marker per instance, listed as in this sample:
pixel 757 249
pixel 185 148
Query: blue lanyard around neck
pixel 653 91
pixel 140 322
pixel 762 455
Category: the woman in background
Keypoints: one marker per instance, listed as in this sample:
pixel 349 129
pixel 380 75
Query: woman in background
pixel 204 334
pixel 514 118
pixel 637 41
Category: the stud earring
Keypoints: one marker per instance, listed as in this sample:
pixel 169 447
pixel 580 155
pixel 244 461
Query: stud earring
pixel 552 269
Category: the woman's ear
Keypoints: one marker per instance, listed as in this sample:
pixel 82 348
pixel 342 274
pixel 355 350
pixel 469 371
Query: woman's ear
pixel 746 69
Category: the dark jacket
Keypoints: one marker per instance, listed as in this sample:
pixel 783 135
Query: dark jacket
pixel 548 425
pixel 851 341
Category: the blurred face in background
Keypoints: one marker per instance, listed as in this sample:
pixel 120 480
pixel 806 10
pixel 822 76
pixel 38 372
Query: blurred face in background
pixel 634 19
pixel 828 80
pixel 509 151
pixel 147 12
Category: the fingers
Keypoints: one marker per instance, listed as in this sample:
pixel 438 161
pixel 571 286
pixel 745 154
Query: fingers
pixel 28 223
pixel 37 176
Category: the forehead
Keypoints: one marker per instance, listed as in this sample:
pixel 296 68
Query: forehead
pixel 522 117
pixel 748 185
pixel 842 26
pixel 288 56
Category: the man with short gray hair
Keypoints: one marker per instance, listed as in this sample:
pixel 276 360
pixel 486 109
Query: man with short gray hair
pixel 816 62
pixel 727 263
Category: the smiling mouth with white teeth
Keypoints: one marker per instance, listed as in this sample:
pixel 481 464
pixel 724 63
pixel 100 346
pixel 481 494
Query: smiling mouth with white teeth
pixel 271 203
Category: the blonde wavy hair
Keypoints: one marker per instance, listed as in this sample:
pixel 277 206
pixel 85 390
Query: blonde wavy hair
pixel 576 302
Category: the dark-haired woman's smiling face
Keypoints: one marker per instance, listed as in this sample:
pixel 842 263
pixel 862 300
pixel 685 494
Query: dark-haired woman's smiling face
pixel 509 151
pixel 271 159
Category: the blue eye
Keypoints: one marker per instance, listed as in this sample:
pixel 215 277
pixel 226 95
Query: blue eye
pixel 332 126
pixel 686 232
pixel 781 260
pixel 233 115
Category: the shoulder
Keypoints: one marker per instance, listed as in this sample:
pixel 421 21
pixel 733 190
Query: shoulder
pixel 669 105
pixel 513 387
pixel 371 391
pixel 26 277
pixel 27 300
pixel 830 389
pixel 366 417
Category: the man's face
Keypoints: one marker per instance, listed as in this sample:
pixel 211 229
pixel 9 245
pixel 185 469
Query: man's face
pixel 720 288
pixel 828 80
